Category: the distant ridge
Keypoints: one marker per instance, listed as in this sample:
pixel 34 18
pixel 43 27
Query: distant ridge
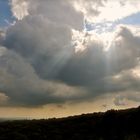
pixel 13 119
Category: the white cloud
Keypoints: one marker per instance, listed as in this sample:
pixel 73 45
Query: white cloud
pixel 107 10
pixel 114 10
pixel 19 8
pixel 58 11
pixel 67 12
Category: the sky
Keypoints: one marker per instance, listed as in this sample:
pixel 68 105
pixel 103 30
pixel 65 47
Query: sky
pixel 60 58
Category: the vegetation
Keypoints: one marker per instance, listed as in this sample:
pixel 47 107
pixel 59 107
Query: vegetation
pixel 112 125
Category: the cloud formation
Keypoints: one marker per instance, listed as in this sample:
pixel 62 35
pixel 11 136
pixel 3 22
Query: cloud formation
pixel 40 62
pixel 60 11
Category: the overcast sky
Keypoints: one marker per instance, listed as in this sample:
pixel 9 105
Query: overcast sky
pixel 66 57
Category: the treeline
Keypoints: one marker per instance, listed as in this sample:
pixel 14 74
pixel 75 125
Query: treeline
pixel 111 125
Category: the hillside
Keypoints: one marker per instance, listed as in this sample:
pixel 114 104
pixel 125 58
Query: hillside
pixel 111 125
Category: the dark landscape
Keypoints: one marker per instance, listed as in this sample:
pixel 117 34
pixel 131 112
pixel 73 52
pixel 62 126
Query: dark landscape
pixel 111 125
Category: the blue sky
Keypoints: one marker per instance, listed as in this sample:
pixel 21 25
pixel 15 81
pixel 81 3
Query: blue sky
pixel 5 13
pixel 133 19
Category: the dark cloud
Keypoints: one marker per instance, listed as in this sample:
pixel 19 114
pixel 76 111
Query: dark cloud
pixel 46 45
pixel 124 51
pixel 39 65
pixel 84 68
pixel 87 69
pixel 23 87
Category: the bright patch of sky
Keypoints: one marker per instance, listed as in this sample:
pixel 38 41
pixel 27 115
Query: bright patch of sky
pixel 5 13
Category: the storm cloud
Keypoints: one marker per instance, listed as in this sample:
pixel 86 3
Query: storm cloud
pixel 39 63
